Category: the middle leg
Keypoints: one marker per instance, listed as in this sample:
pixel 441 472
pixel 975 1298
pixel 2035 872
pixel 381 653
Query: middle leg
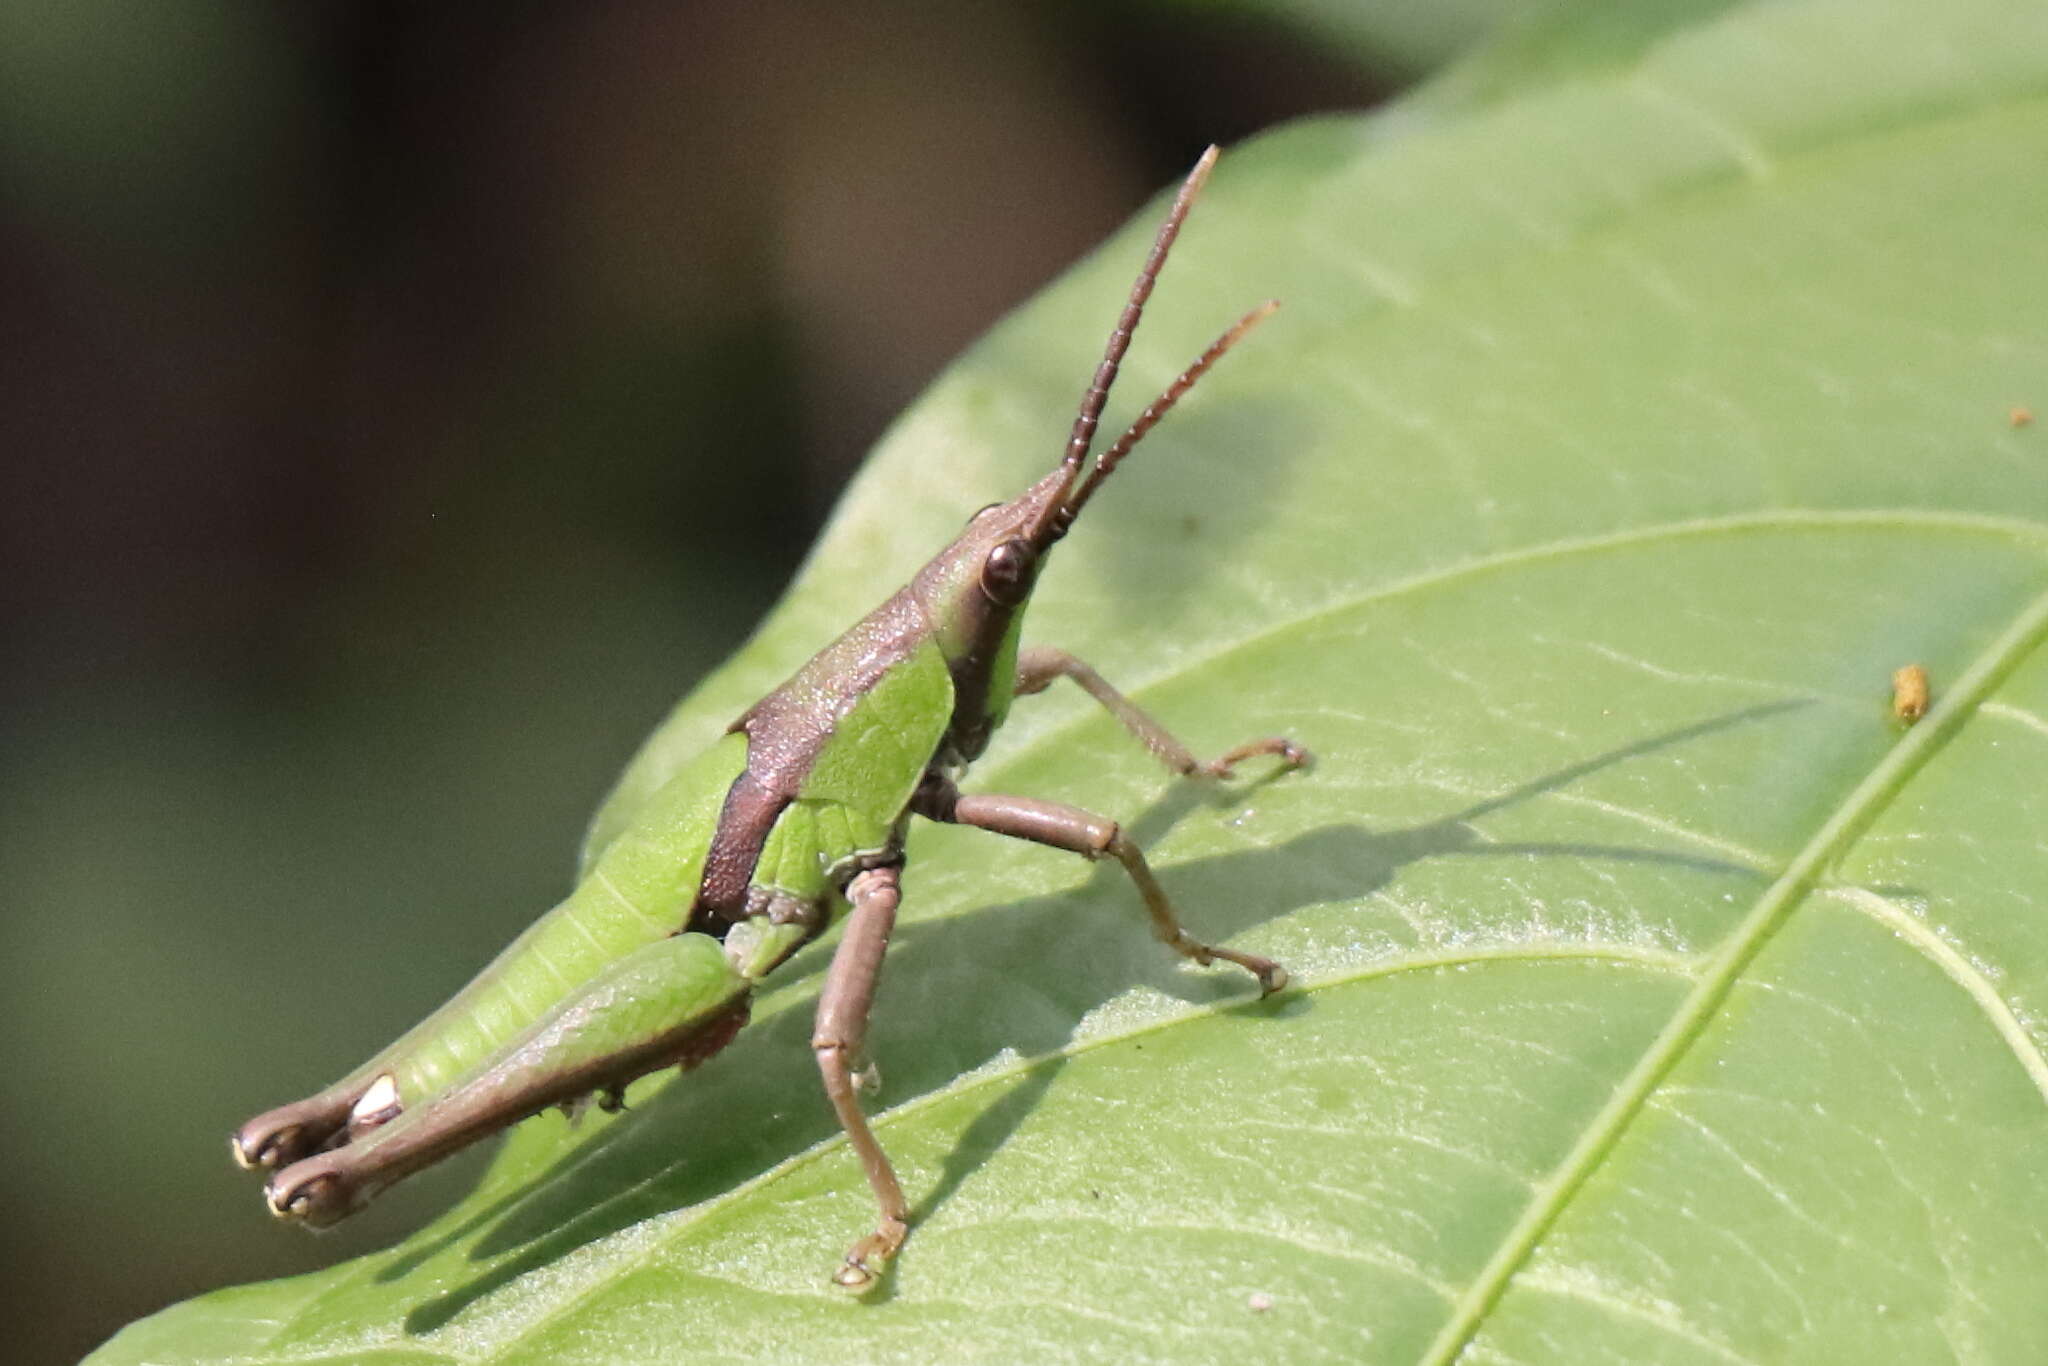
pixel 1093 837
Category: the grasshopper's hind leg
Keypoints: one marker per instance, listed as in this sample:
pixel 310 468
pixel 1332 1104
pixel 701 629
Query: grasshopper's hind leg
pixel 1038 666
pixel 674 1001
pixel 842 1027
pixel 280 1137
pixel 1092 836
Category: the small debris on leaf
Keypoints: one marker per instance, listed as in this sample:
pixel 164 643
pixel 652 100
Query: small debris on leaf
pixel 1909 693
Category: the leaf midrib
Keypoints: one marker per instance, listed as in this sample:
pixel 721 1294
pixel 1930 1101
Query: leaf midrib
pixel 1688 1024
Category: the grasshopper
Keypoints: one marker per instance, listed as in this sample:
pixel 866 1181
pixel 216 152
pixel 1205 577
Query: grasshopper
pixel 792 820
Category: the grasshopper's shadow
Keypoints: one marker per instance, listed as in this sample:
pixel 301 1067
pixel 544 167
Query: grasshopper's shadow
pixel 959 990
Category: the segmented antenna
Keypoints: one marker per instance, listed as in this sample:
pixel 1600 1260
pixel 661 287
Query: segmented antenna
pixel 1161 406
pixel 1120 339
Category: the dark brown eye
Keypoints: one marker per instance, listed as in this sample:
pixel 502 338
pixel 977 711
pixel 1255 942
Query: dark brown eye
pixel 1006 573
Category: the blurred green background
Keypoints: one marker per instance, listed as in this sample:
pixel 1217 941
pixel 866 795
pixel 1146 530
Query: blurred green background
pixel 399 408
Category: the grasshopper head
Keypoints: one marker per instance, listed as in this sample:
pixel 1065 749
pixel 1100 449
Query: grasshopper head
pixel 975 590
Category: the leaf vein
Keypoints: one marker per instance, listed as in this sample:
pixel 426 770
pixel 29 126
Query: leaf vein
pixel 1975 982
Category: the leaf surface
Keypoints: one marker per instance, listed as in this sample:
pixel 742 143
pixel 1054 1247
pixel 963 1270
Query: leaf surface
pixel 1660 996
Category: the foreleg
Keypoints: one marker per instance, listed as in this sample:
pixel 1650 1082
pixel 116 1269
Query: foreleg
pixel 1039 666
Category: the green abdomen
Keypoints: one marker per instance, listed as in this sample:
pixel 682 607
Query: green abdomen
pixel 640 891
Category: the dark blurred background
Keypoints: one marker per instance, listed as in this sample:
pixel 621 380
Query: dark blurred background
pixel 400 406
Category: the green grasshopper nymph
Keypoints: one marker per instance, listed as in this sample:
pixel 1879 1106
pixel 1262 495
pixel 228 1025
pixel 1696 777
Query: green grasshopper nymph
pixel 792 819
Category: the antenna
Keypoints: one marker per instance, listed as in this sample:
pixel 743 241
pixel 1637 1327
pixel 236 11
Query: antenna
pixel 1120 339
pixel 1163 405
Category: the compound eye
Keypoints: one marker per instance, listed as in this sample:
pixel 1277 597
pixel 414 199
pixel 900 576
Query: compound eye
pixel 1006 573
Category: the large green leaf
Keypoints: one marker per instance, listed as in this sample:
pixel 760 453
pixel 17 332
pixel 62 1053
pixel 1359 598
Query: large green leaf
pixel 1661 997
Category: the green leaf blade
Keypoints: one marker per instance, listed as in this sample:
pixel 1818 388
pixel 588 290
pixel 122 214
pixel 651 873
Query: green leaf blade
pixel 1662 997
